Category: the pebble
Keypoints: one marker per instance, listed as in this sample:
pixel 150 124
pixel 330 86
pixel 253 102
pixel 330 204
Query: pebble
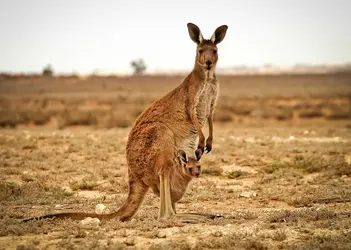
pixel 100 209
pixel 131 241
pixel 162 234
pixel 90 222
pixel 248 194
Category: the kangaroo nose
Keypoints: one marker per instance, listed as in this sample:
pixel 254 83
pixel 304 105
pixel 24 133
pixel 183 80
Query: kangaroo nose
pixel 209 63
pixel 197 175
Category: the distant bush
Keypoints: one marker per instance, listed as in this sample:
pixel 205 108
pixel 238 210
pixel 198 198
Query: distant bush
pixel 338 113
pixel 48 70
pixel 284 114
pixel 310 113
pixel 138 66
pixel 223 116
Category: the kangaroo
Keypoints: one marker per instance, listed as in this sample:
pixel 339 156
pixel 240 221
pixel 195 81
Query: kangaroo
pixel 172 123
pixel 202 85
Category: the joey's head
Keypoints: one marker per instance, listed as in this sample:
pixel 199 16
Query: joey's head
pixel 206 52
pixel 190 164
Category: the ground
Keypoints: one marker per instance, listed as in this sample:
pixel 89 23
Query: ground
pixel 278 184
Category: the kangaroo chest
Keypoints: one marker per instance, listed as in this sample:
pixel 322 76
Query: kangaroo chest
pixel 206 100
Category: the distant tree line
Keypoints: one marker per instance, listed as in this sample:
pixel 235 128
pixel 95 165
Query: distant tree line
pixel 139 67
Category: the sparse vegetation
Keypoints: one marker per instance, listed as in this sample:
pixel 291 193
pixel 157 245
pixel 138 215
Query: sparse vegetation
pixel 138 66
pixel 83 185
pixel 62 158
pixel 48 70
pixel 304 214
pixel 212 170
pixel 333 165
pixel 236 174
pixel 107 102
pixel 231 241
pixel 311 113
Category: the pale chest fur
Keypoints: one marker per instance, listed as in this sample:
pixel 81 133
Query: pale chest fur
pixel 206 100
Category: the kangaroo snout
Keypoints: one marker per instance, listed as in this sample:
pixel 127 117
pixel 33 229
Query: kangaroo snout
pixel 208 64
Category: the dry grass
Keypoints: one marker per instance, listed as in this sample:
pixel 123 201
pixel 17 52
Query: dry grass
pixel 266 142
pixel 38 167
pixel 212 170
pixel 107 102
pixel 236 174
pixel 31 193
pixel 339 242
pixel 306 214
pixel 330 165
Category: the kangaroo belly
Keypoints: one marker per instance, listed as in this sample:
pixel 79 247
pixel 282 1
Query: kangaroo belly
pixel 207 97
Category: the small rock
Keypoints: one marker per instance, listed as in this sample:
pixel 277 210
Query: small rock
pixel 162 234
pixel 217 234
pixel 131 241
pixel 306 132
pixel 348 158
pixel 90 222
pixel 291 138
pixel 100 209
pixel 67 189
pixel 248 194
pixel 344 176
pixel 59 206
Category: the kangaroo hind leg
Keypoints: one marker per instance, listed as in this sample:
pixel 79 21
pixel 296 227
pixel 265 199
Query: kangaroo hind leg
pixel 166 208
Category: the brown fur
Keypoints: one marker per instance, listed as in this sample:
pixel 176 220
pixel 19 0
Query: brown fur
pixel 169 124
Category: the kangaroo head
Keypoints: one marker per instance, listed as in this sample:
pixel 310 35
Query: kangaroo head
pixel 206 52
pixel 191 165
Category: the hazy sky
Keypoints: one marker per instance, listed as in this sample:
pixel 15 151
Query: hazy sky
pixel 84 35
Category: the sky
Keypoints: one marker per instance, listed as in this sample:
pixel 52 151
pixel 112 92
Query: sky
pixel 85 36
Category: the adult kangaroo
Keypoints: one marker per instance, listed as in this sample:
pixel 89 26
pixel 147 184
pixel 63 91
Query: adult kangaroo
pixel 174 122
pixel 168 125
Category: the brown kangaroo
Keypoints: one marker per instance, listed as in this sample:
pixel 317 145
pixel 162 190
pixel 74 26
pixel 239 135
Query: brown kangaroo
pixel 168 125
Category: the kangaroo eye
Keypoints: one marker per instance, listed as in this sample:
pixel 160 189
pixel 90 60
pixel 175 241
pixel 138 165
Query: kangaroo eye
pixel 201 51
pixel 215 51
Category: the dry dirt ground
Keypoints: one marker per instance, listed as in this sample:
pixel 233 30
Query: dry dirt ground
pixel 279 172
pixel 277 186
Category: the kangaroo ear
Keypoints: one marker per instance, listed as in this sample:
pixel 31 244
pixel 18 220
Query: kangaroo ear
pixel 219 34
pixel 195 33
pixel 182 156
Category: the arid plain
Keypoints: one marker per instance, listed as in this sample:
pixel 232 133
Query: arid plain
pixel 279 172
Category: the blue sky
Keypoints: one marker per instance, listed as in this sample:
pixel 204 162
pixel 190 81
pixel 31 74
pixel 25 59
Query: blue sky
pixel 83 36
